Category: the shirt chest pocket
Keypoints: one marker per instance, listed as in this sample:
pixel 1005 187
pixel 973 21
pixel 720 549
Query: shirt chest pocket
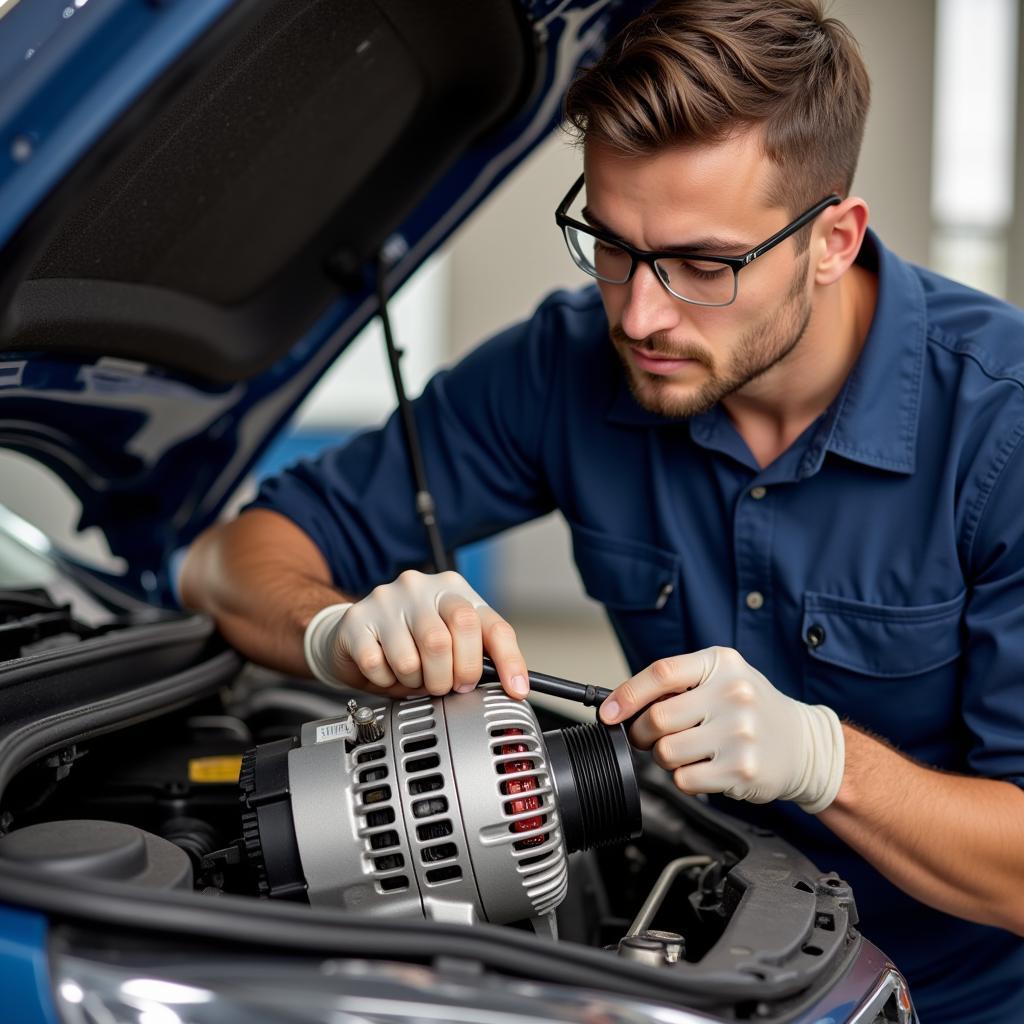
pixel 893 669
pixel 639 585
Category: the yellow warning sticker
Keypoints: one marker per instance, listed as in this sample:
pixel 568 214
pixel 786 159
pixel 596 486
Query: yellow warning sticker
pixel 215 769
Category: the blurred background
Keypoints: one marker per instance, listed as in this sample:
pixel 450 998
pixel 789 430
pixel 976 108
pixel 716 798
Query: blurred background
pixel 938 170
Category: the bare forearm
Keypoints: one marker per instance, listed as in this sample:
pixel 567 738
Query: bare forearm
pixel 261 579
pixel 950 841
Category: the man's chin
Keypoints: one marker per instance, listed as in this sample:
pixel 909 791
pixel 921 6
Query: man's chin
pixel 670 398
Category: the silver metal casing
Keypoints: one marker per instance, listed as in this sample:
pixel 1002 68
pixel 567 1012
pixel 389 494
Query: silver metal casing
pixel 450 814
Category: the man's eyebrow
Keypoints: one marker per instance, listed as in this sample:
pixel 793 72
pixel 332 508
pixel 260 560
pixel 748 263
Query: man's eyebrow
pixel 711 245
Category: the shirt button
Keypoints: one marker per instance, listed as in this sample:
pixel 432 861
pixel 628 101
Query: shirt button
pixel 815 635
pixel 758 492
pixel 755 600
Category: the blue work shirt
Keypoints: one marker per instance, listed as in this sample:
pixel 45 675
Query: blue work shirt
pixel 876 566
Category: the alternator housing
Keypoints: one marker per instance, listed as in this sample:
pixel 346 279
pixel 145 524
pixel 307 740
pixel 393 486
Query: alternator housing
pixel 453 813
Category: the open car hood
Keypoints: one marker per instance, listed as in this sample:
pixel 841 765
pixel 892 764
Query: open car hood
pixel 193 196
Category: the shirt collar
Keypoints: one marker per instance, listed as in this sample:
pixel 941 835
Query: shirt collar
pixel 874 419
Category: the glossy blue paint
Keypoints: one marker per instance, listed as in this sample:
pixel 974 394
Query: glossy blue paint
pixel 24 971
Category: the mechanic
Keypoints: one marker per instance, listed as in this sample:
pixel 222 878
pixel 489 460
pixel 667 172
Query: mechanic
pixel 793 479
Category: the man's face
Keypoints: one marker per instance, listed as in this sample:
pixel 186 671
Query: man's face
pixel 680 358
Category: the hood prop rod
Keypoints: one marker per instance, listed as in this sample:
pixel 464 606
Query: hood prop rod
pixel 425 508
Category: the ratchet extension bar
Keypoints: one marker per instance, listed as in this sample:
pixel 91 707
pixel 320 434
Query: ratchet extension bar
pixel 582 693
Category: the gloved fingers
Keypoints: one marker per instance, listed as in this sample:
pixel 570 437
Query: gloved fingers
pixel 462 620
pixel 669 715
pixel 359 650
pixel 700 777
pixel 499 641
pixel 737 773
pixel 395 691
pixel 450 582
pixel 400 650
pixel 433 652
pixel 687 747
pixel 677 674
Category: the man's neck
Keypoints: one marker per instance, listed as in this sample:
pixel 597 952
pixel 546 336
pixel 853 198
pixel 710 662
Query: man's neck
pixel 771 412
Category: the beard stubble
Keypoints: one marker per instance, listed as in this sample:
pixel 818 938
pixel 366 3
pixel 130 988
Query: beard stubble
pixel 762 346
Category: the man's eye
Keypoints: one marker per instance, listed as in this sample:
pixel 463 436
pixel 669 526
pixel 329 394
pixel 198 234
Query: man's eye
pixel 604 249
pixel 701 269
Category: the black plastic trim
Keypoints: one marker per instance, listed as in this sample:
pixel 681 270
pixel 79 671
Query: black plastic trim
pixel 778 900
pixel 181 661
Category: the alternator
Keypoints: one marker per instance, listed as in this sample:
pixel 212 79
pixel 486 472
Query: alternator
pixel 456 808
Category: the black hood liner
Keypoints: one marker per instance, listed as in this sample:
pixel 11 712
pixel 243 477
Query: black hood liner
pixel 220 228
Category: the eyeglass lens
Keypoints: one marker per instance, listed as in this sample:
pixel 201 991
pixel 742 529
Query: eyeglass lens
pixel 702 281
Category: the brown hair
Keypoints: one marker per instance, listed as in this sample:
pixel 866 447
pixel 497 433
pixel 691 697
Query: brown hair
pixel 697 70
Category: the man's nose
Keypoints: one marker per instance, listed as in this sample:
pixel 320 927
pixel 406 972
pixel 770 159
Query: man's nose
pixel 649 308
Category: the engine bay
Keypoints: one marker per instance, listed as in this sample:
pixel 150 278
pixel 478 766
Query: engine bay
pixel 472 813
pixel 201 778
pixel 213 784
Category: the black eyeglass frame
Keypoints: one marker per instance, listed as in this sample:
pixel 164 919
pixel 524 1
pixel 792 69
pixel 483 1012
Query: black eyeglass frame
pixel 735 263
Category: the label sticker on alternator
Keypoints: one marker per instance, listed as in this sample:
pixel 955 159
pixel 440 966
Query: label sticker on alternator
pixel 333 731
pixel 215 769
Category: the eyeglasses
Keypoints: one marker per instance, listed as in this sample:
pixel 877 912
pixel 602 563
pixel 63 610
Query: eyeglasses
pixel 693 277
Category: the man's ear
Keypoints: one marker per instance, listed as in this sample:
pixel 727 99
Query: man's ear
pixel 841 230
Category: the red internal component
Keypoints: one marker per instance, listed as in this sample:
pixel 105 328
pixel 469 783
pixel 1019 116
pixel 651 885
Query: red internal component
pixel 515 787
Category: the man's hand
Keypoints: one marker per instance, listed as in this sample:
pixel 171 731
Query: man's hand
pixel 421 631
pixel 720 726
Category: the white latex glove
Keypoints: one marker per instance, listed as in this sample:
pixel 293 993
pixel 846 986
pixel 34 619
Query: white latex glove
pixel 721 727
pixel 421 631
